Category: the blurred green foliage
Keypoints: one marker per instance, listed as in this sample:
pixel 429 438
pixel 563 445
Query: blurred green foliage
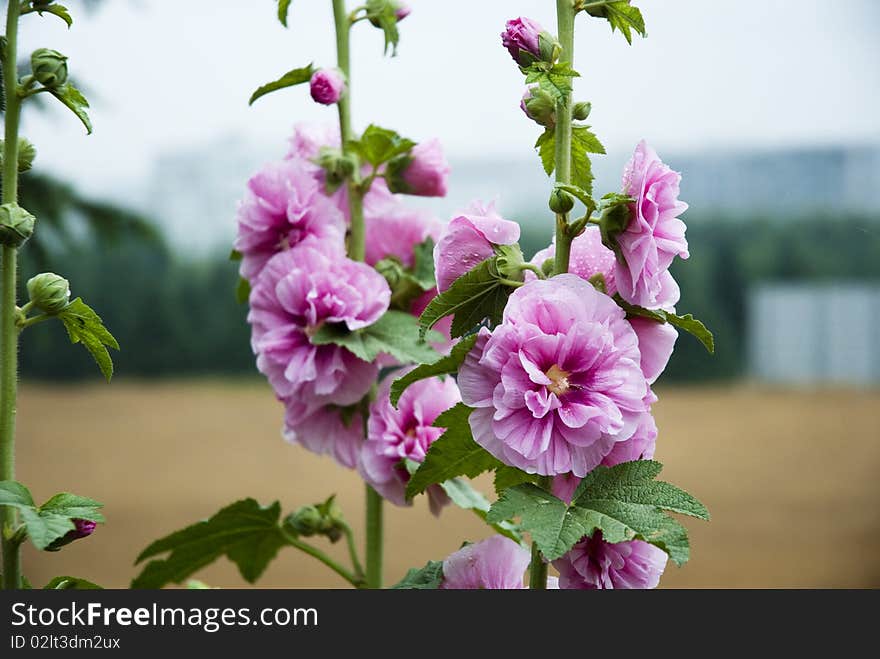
pixel 178 316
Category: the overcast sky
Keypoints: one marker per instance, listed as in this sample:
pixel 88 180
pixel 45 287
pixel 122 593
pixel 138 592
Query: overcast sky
pixel 713 74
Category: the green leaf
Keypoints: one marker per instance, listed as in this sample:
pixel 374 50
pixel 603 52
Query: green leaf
pixel 622 16
pixel 546 146
pixel 71 583
pixel 688 323
pixel 73 99
pixel 84 326
pixel 283 8
pixel 52 520
pixel 379 145
pixel 423 264
pixel 427 578
pixel 443 366
pixel 583 142
pixel 475 296
pixel 395 333
pixel 57 10
pixel 454 453
pixel 247 533
pixel 289 79
pixel 242 290
pixel 555 80
pixel 506 477
pixel 463 495
pixel 382 15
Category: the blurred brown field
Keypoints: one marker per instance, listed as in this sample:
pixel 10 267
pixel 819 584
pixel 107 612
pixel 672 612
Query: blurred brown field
pixel 789 476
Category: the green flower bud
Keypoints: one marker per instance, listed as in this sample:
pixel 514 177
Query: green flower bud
pixel 16 225
pixel 509 261
pixel 581 110
pixel 539 106
pixel 337 167
pixel 49 292
pixel 305 521
pixel 26 154
pixel 49 67
pixel 561 201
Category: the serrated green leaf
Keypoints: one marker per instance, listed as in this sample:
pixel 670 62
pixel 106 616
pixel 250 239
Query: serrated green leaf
pixel 289 79
pixel 427 578
pixel 465 496
pixel 477 295
pixel 71 583
pixel 247 533
pixel 379 145
pixel 57 10
pixel 555 80
pixel 396 333
pixel 444 366
pixel 506 477
pixel 583 142
pixel 283 9
pixel 84 326
pixel 453 454
pixel 13 493
pixel 73 99
pixel 694 327
pixel 546 146
pixel 621 15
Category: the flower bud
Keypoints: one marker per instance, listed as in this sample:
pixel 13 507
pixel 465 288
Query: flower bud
pixel 528 42
pixel 49 67
pixel 83 528
pixel 509 262
pixel 560 201
pixel 26 154
pixel 337 167
pixel 539 106
pixel 327 86
pixel 423 172
pixel 49 292
pixel 581 111
pixel 377 9
pixel 305 521
pixel 16 225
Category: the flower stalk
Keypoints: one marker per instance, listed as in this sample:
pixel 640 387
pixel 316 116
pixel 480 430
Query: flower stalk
pixel 8 279
pixel 357 251
pixel 565 14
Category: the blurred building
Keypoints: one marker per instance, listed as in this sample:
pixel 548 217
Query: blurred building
pixel 808 334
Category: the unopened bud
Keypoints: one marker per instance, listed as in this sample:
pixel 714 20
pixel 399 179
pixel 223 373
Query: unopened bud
pixel 26 154
pixel 305 521
pixel 49 292
pixel 49 67
pixel 84 528
pixel 581 111
pixel 16 225
pixel 560 201
pixel 539 106
pixel 337 167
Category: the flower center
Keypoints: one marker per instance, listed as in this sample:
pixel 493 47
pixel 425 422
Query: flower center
pixel 558 380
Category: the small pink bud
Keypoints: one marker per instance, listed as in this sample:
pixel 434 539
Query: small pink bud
pixel 403 10
pixel 528 42
pixel 327 86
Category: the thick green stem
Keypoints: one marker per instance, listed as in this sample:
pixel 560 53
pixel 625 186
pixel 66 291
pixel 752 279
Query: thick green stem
pixel 538 567
pixel 8 330
pixel 357 251
pixel 565 18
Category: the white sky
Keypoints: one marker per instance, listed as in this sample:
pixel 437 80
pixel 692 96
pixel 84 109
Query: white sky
pixel 165 74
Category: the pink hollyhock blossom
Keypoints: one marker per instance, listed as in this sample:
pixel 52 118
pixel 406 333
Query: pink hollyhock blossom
pixel 394 229
pixel 656 343
pixel 324 431
pixel 82 529
pixel 522 35
pixel 594 564
pixel 298 291
pixel 654 235
pixel 405 433
pixel 284 208
pixel 470 239
pixel 497 563
pixel 558 383
pixel 327 86
pixel 427 173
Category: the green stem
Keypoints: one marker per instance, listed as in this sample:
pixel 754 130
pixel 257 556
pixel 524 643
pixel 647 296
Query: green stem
pixel 33 320
pixel 8 330
pixel 352 551
pixel 565 18
pixel 538 567
pixel 353 579
pixel 374 538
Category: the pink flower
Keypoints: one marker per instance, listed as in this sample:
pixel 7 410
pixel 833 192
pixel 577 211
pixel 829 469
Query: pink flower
pixel 405 433
pixel 589 257
pixel 394 229
pixel 327 86
pixel 558 383
pixel 470 239
pixel 324 431
pixel 83 528
pixel 298 291
pixel 654 235
pixel 521 37
pixel 284 207
pixel 402 10
pixel 595 564
pixel 497 563
pixel 427 171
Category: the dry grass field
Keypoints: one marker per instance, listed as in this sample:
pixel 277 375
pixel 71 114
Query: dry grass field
pixel 790 479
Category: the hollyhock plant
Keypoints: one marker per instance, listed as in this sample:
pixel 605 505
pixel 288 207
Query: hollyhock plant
pixel 593 564
pixel 284 207
pixel 558 383
pixel 327 86
pixel 395 435
pixel 654 234
pixel 469 239
pixel 497 563
pixel 299 291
